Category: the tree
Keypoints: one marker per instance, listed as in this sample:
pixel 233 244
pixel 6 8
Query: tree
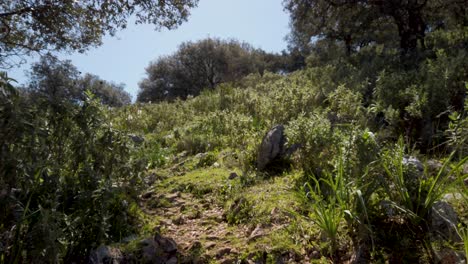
pixel 358 23
pixel 55 80
pixel 203 64
pixel 36 25
pixel 109 93
pixel 60 81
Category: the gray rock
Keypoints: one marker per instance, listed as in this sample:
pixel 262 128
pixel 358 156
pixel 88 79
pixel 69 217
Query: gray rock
pixel 104 254
pixel 272 146
pixel 452 197
pixel 443 222
pixel 414 163
pixel 449 256
pixel 159 250
pixel 201 155
pixel 434 166
pixel 257 233
pixel 168 245
pixel 136 139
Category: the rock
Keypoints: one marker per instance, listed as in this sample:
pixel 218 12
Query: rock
pixel 210 245
pixel 434 166
pixel 452 197
pixel 271 147
pixel 465 181
pixel 222 252
pixel 449 256
pixel 168 245
pixel 129 238
pixel 256 233
pixel 108 255
pixel 172 260
pixel 150 179
pixel 227 261
pixel 232 176
pixel 443 222
pixel 388 208
pixel 159 249
pixel 147 195
pixel 136 139
pixel 413 162
pixel 216 165
pixel 361 255
pixel 201 155
pixel 179 220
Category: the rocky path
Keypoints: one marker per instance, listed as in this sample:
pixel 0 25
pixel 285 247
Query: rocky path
pixel 198 227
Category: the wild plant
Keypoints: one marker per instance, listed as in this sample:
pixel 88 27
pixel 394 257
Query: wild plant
pixel 68 175
pixel 411 192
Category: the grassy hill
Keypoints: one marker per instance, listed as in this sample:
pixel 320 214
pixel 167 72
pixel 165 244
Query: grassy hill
pixel 352 192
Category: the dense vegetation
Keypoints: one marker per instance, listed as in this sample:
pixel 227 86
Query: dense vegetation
pixel 376 136
pixel 204 65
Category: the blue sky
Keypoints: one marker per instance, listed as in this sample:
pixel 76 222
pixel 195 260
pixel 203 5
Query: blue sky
pixel 123 58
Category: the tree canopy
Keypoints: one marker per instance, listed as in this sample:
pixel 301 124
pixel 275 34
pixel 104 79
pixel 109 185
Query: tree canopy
pixel 59 81
pixel 38 25
pixel 203 64
pixel 358 23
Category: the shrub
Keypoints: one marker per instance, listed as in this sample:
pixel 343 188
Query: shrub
pixel 67 173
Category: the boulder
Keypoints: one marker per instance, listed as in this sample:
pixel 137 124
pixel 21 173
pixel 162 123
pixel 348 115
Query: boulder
pixel 443 222
pixel 108 255
pixel 159 250
pixel 272 146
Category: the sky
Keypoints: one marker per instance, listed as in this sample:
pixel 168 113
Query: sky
pixel 124 57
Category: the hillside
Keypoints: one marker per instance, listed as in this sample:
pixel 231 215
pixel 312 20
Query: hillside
pixel 348 193
pixel 350 146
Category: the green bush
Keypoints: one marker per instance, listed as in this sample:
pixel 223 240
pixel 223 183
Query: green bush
pixel 67 173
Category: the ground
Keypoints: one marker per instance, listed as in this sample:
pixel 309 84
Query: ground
pixel 216 215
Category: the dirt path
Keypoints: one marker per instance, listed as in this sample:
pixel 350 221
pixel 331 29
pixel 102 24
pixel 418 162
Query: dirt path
pixel 198 227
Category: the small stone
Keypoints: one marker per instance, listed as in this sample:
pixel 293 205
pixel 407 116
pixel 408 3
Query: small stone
pixel 216 165
pixel 222 252
pixel 453 196
pixel 256 233
pixel 210 245
pixel 136 139
pixel 201 155
pixel 179 220
pixel 449 256
pixel 172 260
pixel 465 181
pixel 413 162
pixel 147 195
pixel 232 176
pixel 227 261
pixel 105 254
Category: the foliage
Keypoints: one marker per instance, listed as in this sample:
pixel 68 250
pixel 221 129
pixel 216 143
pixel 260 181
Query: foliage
pixel 203 64
pixel 66 176
pixel 357 24
pixel 60 80
pixel 109 93
pixel 76 25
